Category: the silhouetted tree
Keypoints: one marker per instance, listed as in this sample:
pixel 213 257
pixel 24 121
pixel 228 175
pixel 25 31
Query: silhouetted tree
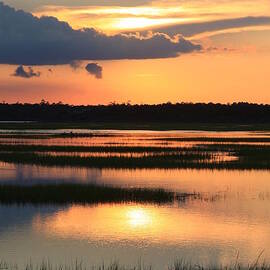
pixel 241 112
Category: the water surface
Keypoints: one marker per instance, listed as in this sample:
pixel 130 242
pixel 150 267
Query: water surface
pixel 201 231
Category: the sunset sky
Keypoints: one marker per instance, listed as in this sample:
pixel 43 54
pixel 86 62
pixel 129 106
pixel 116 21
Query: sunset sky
pixel 138 51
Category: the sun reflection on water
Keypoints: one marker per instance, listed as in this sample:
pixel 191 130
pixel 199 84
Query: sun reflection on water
pixel 138 217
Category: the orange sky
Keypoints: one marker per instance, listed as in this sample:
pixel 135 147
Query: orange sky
pixel 219 77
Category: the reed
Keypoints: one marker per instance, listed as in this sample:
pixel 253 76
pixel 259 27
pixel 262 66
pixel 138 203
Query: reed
pixel 176 265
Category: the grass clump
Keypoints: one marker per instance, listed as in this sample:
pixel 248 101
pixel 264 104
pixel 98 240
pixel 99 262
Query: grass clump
pixel 81 194
pixel 159 161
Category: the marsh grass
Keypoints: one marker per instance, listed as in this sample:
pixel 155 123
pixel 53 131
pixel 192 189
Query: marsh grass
pixel 216 155
pixel 97 149
pixel 83 194
pixel 193 159
pixel 176 265
pixel 159 161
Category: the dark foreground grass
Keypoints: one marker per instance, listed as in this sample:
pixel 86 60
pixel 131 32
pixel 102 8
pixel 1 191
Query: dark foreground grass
pixel 176 265
pixel 84 194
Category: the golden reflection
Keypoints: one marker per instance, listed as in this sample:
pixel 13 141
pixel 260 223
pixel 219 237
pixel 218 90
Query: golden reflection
pixel 105 221
pixel 139 217
pixel 163 225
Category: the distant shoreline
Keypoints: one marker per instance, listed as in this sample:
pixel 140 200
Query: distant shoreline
pixel 179 116
pixel 124 126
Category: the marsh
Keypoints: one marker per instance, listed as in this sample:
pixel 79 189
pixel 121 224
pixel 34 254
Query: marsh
pixel 129 195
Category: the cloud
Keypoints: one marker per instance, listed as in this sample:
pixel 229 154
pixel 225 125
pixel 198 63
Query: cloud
pixel 75 64
pixel 191 29
pixel 21 72
pixel 28 40
pixel 94 69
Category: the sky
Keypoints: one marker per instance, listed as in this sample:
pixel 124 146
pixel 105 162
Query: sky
pixel 137 51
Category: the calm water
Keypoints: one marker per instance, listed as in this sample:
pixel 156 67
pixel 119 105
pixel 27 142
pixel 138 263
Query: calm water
pixel 210 232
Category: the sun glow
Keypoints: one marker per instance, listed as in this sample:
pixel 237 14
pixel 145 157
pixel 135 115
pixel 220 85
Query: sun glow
pixel 135 11
pixel 115 19
pixel 118 18
pixel 136 23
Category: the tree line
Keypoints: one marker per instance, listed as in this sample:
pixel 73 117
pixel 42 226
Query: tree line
pixel 241 112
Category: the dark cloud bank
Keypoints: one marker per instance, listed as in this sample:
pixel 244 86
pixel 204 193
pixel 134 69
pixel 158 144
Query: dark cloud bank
pixel 24 73
pixel 94 69
pixel 28 40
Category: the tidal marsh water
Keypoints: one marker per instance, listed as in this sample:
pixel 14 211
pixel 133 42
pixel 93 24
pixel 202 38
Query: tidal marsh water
pixel 232 215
